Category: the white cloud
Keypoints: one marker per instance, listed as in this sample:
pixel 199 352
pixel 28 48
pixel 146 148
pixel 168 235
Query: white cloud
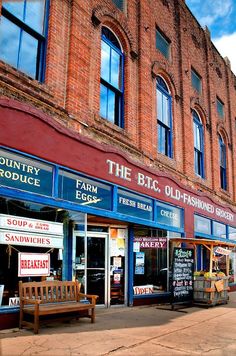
pixel 226 47
pixel 208 13
pixel 220 9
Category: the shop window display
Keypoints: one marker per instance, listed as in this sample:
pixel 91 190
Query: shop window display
pixel 150 261
pixel 32 230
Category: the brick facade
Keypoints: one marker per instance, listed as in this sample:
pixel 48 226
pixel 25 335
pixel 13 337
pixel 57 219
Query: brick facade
pixel 71 91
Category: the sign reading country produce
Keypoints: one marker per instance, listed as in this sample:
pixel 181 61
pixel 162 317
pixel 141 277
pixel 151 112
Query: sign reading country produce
pixel 182 275
pixel 33 264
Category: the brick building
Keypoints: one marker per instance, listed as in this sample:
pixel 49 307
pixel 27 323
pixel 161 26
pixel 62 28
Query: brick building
pixel 117 135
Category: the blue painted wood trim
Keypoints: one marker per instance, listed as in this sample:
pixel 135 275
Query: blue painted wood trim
pixel 130 266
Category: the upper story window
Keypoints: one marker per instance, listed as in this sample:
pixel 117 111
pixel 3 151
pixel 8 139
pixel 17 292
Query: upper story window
pixel 112 67
pixel 23 28
pixel 220 107
pixel 119 4
pixel 198 145
pixel 223 166
pixel 164 118
pixel 196 81
pixel 163 44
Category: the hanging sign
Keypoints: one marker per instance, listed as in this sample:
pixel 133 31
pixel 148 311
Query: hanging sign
pixel 182 275
pixel 222 251
pixel 33 264
pixel 11 237
pixel 141 290
pixel 31 225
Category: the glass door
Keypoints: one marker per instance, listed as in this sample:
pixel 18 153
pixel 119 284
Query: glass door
pixel 100 263
pixel 117 255
pixel 96 267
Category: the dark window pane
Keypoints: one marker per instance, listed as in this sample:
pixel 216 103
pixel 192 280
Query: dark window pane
pixel 196 81
pixel 119 4
pixel 34 14
pixel 161 139
pixel 111 106
pixel 162 44
pixel 9 42
pixel 220 108
pixel 28 54
pixel 103 101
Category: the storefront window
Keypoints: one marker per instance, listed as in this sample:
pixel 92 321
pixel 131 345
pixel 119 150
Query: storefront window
pixel 232 267
pixel 33 240
pixel 232 233
pixel 202 225
pixel 150 261
pixel 219 230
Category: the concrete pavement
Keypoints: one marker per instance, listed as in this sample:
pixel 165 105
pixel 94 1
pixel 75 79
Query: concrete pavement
pixel 147 330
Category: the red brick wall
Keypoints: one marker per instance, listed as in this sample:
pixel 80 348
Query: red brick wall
pixel 70 93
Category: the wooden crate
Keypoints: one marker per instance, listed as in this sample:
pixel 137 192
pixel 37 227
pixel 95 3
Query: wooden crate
pixel 205 290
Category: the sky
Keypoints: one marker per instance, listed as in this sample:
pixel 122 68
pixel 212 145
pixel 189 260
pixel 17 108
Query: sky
pixel 220 18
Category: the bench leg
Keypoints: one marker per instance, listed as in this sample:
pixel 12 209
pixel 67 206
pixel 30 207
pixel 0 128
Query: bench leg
pixel 36 324
pixel 21 318
pixel 93 316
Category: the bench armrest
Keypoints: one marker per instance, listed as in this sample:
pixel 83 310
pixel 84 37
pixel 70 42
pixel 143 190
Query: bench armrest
pixel 92 298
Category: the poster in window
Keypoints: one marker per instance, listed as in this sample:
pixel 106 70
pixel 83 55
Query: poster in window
pixel 139 262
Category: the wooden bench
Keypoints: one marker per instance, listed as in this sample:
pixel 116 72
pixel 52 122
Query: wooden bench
pixel 48 298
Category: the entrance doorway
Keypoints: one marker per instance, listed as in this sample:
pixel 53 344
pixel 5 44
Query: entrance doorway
pixel 100 263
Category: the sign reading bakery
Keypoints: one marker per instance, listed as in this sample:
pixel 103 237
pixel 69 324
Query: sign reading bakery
pixel 15 230
pixel 33 264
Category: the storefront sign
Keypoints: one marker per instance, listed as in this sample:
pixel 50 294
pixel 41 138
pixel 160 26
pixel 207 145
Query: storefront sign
pixel 84 191
pixel 31 225
pixel 134 205
pixel 19 172
pixel 11 237
pixel 182 275
pixel 141 290
pixel 169 215
pixel 151 242
pixel 33 264
pixel 162 188
pixel 222 251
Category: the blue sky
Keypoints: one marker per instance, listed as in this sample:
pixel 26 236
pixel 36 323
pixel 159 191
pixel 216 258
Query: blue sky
pixel 220 17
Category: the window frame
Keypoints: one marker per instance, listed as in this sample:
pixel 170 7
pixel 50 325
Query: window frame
pixel 160 124
pixel 198 153
pixel 40 38
pixel 165 41
pixel 223 163
pixel 119 93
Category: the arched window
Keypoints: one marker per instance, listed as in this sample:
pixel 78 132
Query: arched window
pixel 223 166
pixel 112 67
pixel 164 118
pixel 198 145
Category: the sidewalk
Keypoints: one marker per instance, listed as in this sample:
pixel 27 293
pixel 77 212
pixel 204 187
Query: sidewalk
pixel 151 330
